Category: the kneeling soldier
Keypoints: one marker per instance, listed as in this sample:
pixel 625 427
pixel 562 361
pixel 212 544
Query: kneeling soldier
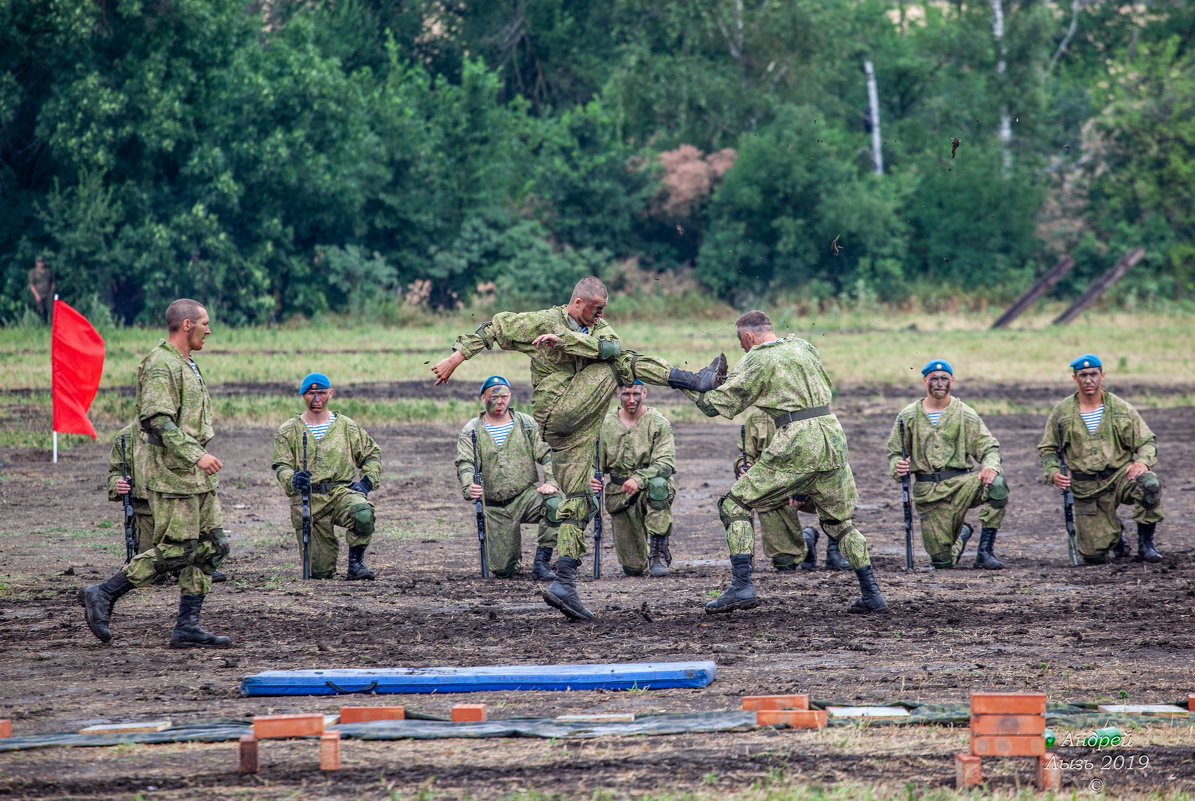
pixel 943 436
pixel 337 447
pixel 509 446
pixel 1110 454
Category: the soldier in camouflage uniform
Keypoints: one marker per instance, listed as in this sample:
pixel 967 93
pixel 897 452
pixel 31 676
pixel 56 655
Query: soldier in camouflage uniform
pixel 511 485
pixel 577 361
pixel 175 414
pixel 120 482
pixel 639 458
pixel 785 541
pixel 943 436
pixel 41 287
pixel 336 448
pixel 1110 455
pixel 808 456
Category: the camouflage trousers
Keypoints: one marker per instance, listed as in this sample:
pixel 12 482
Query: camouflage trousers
pixel 143 525
pixel 943 505
pixel 1096 523
pixel 341 507
pixel 188 534
pixel 634 521
pixel 571 430
pixel 503 530
pixel 780 534
pixel 767 485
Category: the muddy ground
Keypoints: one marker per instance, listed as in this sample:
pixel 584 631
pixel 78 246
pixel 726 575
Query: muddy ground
pixel 1096 633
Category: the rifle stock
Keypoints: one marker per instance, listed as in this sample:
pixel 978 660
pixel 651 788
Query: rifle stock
pixel 305 495
pixel 597 518
pixel 479 506
pixel 906 502
pixel 1068 506
pixel 130 520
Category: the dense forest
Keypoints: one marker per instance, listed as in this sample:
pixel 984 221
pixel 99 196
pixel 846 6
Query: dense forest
pixel 282 158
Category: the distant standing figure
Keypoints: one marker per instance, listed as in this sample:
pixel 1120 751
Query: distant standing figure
pixel 42 286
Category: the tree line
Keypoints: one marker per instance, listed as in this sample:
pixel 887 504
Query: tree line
pixel 328 156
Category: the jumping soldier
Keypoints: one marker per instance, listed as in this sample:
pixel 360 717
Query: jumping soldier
pixel 577 361
pixel 175 413
pixel 785 541
pixel 639 457
pixel 808 456
pixel 337 447
pixel 1110 453
pixel 509 447
pixel 943 436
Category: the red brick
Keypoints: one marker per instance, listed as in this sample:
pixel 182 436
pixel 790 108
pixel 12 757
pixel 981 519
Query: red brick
pixel 1027 745
pixel 462 713
pixel 249 754
pixel 329 750
pixel 1008 724
pixel 1008 703
pixel 797 718
pixel 754 703
pixel 5 728
pixel 1049 773
pixel 364 714
pixel 968 771
pixel 272 726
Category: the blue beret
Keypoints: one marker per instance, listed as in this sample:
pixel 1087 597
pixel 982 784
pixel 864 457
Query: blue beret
pixel 314 381
pixel 638 382
pixel 937 364
pixel 491 381
pixel 1086 360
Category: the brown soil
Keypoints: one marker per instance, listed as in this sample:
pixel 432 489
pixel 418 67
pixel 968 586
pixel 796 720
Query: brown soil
pixel 1086 634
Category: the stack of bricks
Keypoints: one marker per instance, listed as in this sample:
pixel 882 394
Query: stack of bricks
pixel 791 710
pixel 272 727
pixel 1007 725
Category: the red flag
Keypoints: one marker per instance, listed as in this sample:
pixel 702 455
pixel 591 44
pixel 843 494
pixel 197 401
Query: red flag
pixel 76 362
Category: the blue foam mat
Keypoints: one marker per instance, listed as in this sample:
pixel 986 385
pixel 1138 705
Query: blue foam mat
pixel 346 681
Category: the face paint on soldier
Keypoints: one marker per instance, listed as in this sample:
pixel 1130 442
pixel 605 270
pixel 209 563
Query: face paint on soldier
pixel 197 330
pixel 497 401
pixel 587 311
pixel 1089 380
pixel 938 384
pixel 317 399
pixel 632 398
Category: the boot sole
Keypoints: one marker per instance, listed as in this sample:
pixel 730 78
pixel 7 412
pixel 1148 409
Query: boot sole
pixel 568 611
pixel 751 604
pixel 174 644
pixel 863 610
pixel 83 603
pixel 370 577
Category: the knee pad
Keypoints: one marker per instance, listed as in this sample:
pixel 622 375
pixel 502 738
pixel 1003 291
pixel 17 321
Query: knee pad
pixel 1151 490
pixel 941 561
pixel 363 520
pixel 731 509
pixel 998 493
pixel 657 492
pixel 784 562
pixel 608 349
pixel 552 510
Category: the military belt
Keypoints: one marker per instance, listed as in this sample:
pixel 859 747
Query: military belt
pixel 1102 475
pixel 324 487
pixel 620 480
pixel 941 475
pixel 781 420
pixel 501 504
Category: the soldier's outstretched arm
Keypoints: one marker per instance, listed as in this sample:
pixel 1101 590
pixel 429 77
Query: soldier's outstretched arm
pixel 739 391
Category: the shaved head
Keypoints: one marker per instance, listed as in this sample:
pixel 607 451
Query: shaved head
pixel 589 288
pixel 181 310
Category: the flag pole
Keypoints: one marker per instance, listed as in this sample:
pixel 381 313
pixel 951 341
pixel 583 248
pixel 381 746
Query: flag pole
pixel 53 308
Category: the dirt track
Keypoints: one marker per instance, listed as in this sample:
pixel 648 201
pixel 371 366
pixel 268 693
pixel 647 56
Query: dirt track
pixel 1077 634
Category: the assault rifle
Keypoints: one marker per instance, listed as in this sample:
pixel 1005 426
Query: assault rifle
pixel 742 450
pixel 305 495
pixel 597 518
pixel 479 504
pixel 130 520
pixel 1068 505
pixel 904 499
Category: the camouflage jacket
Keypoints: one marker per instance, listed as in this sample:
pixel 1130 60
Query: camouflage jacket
pixel 505 471
pixel 134 448
pixel 551 368
pixel 959 438
pixel 344 450
pixel 1121 437
pixel 785 375
pixel 167 386
pixel 643 451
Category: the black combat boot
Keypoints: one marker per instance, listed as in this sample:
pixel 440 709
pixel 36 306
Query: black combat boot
pixel 563 593
pixel 1121 549
pixel 964 536
pixel 704 380
pixel 357 569
pixel 872 600
pixel 97 602
pixel 660 557
pixel 834 559
pixel 809 534
pixel 741 592
pixel 541 568
pixel 1146 551
pixel 984 557
pixel 219 576
pixel 187 631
